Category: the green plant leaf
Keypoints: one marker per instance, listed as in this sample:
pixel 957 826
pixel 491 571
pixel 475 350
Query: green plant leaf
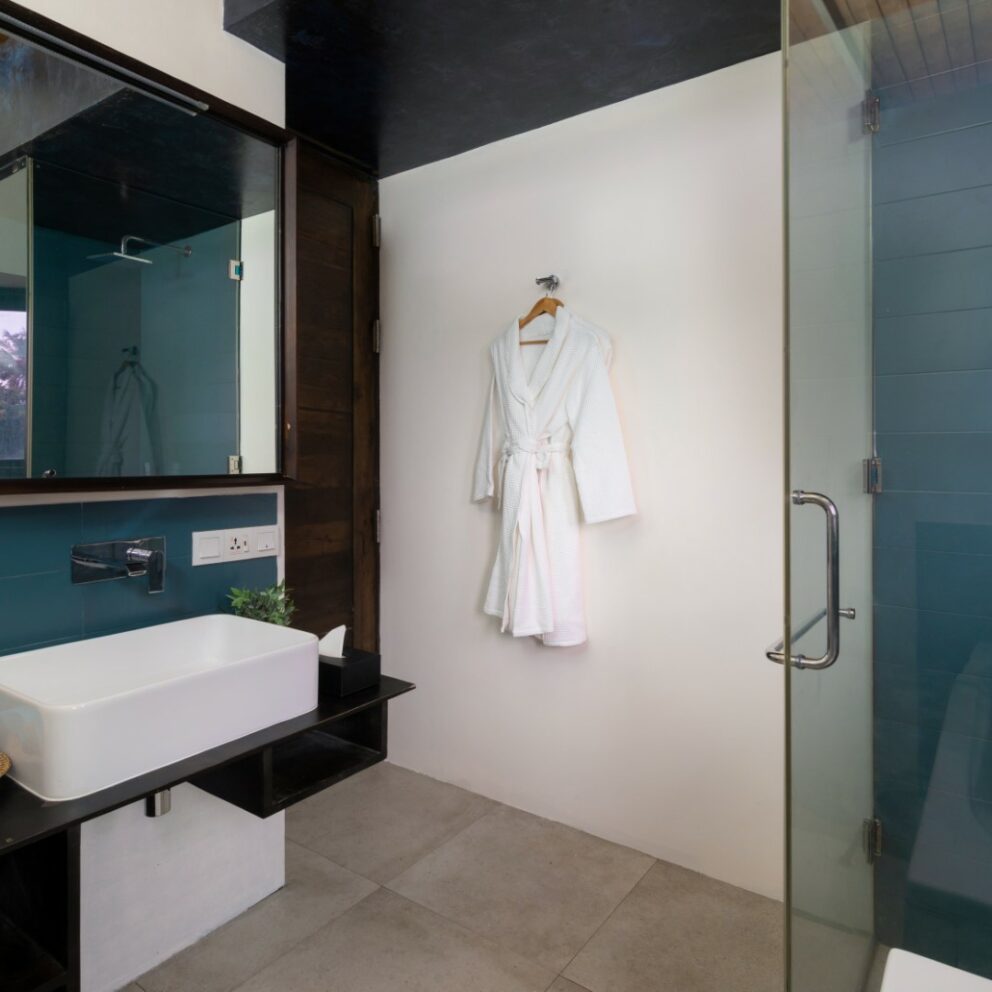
pixel 272 604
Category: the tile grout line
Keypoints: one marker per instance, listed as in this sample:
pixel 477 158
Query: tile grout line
pixel 309 936
pixel 295 944
pixel 337 864
pixel 580 988
pixel 440 916
pixel 447 840
pixel 385 885
pixel 610 915
pixel 497 942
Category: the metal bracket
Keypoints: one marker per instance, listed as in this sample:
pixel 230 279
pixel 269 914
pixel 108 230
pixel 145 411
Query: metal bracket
pixel 871 113
pixel 872 475
pixel 158 803
pixel 234 464
pixel 236 269
pixel 376 336
pixel 871 838
pixel 376 231
pixel 378 526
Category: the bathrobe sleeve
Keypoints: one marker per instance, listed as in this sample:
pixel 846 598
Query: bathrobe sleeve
pixel 490 449
pixel 598 456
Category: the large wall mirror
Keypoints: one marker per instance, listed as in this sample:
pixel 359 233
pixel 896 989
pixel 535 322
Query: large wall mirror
pixel 139 330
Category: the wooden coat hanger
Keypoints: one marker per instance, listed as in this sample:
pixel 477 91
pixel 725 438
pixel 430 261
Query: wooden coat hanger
pixel 546 304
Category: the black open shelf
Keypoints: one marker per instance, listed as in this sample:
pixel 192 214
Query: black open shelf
pixel 345 736
pixel 25 966
pixel 313 761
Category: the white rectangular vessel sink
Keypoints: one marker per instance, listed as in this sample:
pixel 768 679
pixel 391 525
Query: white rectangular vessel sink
pixel 79 717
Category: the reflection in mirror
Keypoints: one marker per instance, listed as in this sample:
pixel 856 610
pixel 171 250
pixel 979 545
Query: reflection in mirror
pixel 138 281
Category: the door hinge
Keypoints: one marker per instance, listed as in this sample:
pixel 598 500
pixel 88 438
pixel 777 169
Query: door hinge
pixel 376 231
pixel 376 336
pixel 872 475
pixel 871 113
pixel 234 464
pixel 871 836
pixel 378 526
pixel 236 269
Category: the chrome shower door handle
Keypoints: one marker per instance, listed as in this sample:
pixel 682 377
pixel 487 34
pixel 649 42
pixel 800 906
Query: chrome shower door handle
pixel 833 612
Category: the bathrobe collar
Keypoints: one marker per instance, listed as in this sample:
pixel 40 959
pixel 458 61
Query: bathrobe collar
pixel 516 376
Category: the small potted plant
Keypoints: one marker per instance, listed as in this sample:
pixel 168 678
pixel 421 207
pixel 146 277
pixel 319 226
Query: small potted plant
pixel 272 604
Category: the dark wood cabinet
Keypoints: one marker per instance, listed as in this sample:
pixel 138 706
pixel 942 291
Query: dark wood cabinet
pixel 330 394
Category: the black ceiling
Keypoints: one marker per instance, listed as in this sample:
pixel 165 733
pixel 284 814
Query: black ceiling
pixel 398 83
pixel 199 164
pixel 199 172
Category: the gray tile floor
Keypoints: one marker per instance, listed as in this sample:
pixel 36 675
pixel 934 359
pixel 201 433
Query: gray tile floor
pixel 398 882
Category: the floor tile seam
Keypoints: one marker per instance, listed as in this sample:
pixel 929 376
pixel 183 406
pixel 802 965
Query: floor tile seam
pixel 447 839
pixel 337 864
pixel 492 942
pixel 303 939
pixel 609 916
pixel 467 926
pixel 561 977
pixel 409 897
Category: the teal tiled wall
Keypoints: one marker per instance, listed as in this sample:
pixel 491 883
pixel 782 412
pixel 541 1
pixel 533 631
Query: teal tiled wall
pixel 932 216
pixel 180 313
pixel 39 605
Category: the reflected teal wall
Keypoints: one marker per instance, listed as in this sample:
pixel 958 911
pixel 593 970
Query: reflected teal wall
pixel 39 605
pixel 58 258
pixel 933 527
pixel 181 313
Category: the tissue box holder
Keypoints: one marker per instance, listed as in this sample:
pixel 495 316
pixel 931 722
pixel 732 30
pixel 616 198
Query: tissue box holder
pixel 356 671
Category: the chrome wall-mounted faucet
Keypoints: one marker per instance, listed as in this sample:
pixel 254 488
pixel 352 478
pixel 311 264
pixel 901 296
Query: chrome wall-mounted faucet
pixel 144 556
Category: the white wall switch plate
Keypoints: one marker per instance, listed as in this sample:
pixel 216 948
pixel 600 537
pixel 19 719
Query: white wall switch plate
pixel 211 547
pixel 266 540
pixel 208 547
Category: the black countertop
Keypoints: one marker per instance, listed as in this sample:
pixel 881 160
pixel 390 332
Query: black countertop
pixel 25 818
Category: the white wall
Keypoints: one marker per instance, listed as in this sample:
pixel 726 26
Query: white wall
pixel 662 215
pixel 185 38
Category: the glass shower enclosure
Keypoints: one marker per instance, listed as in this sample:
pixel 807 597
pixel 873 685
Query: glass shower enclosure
pixel 888 622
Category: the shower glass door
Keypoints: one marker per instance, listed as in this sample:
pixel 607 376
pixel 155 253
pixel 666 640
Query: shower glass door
pixel 829 614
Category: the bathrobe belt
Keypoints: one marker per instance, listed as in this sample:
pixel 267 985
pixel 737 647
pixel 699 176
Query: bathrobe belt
pixel 530 568
pixel 540 446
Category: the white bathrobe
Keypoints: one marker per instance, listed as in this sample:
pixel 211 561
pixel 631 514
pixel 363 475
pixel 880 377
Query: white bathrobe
pixel 550 441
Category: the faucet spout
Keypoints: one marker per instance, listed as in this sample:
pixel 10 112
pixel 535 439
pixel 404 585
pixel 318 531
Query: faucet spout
pixel 153 560
pixel 120 560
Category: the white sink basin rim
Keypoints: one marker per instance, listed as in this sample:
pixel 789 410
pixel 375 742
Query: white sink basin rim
pixel 80 717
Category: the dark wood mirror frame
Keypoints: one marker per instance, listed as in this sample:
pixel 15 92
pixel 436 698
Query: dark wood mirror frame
pixel 50 34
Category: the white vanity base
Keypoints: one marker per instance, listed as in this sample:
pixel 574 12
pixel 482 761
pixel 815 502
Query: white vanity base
pixel 152 886
pixel 905 972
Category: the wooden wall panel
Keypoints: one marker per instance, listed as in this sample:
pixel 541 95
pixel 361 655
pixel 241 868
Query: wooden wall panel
pixel 331 429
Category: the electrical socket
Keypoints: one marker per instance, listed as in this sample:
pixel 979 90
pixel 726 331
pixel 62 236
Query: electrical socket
pixel 237 544
pixel 212 547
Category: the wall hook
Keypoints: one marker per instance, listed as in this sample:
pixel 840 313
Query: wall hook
pixel 550 283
